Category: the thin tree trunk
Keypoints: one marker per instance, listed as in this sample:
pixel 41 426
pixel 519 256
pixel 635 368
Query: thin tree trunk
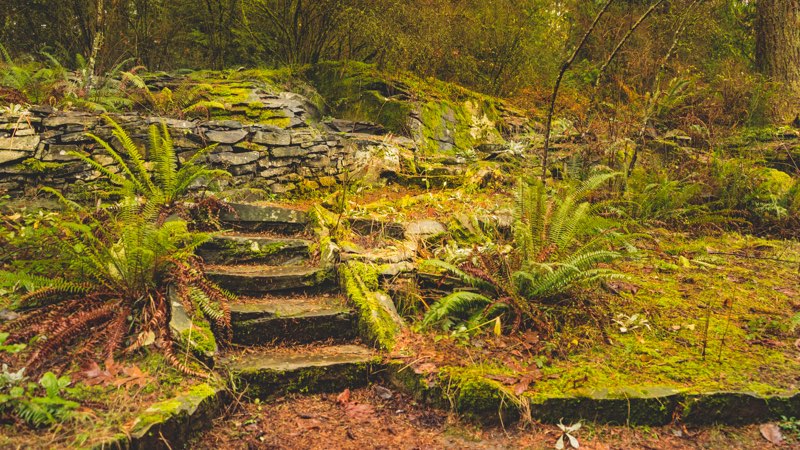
pixel 554 96
pixel 622 42
pixel 97 44
pixel 657 86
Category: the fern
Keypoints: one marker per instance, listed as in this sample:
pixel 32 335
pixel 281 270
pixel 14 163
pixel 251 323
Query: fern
pixel 114 264
pixel 559 244
pixel 457 304
pixel 166 182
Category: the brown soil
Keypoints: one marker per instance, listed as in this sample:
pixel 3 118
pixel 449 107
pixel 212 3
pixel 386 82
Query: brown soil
pixel 364 420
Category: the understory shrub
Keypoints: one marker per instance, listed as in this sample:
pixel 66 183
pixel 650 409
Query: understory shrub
pixel 560 242
pixel 104 293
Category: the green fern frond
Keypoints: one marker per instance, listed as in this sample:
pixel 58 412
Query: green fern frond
pixel 464 277
pixel 457 304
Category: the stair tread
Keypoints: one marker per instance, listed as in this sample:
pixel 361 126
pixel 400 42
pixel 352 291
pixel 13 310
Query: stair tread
pixel 261 237
pixel 259 270
pixel 295 358
pixel 247 212
pixel 288 307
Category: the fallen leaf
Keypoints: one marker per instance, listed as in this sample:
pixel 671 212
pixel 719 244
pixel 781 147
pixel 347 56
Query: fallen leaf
pixel 93 375
pixel 425 368
pixel 359 411
pixel 383 393
pixel 505 379
pixel 524 383
pixel 133 377
pixel 344 397
pixel 772 433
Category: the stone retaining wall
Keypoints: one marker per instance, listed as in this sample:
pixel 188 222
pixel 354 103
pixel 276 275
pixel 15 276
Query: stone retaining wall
pixel 35 149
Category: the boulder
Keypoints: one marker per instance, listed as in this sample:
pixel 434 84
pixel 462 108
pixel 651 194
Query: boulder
pixel 234 159
pixel 424 229
pixel 7 156
pixel 226 137
pixel 276 137
pixel 20 143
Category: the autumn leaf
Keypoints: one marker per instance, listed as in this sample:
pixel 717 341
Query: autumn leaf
pixel 344 397
pixel 359 411
pixel 133 377
pixel 772 433
pixel 93 375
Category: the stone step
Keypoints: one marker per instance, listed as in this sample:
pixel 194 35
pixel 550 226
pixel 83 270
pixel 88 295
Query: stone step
pixel 270 373
pixel 250 217
pixel 254 249
pixel 255 279
pixel 292 319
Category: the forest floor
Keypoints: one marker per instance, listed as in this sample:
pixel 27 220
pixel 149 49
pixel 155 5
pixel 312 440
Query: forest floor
pixel 378 418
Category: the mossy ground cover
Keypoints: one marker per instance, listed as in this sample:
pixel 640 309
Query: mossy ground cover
pixel 721 314
pixel 110 405
pixel 696 313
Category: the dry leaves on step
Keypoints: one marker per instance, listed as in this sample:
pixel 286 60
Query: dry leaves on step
pixel 519 383
pixel 772 433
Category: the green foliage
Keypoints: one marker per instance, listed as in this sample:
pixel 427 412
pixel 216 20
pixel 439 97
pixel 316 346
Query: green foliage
pixel 106 282
pixel 36 81
pixel 189 99
pixel 163 184
pixel 25 401
pixel 559 243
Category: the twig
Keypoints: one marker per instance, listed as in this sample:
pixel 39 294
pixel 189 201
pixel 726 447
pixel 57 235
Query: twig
pixel 740 255
pixel 564 68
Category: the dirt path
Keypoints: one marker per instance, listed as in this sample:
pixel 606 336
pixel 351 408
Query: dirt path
pixel 368 419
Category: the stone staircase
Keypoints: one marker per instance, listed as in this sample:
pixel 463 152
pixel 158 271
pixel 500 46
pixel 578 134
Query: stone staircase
pixel 292 328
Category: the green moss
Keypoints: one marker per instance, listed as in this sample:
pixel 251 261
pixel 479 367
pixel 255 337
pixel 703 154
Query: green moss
pixel 250 250
pixel 200 338
pixel 376 324
pixel 36 166
pixel 269 384
pixel 464 124
pixel 175 408
pixel 355 91
pixel 744 302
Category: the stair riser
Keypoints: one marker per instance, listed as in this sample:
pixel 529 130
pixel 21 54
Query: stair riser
pixel 257 218
pixel 255 285
pixel 285 229
pixel 226 251
pixel 300 330
pixel 270 384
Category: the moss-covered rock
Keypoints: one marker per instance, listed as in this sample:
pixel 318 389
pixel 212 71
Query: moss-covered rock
pixel 171 423
pixel 379 322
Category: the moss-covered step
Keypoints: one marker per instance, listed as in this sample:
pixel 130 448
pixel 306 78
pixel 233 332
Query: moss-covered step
pixel 292 319
pixel 264 218
pixel 367 227
pixel 244 279
pixel 429 181
pixel 484 399
pixel 244 249
pixel 268 373
pixel 171 423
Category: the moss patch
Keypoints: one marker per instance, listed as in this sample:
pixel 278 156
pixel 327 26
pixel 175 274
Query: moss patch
pixel 376 324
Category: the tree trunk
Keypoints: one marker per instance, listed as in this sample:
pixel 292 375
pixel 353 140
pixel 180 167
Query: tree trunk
pixel 778 48
pixel 97 43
